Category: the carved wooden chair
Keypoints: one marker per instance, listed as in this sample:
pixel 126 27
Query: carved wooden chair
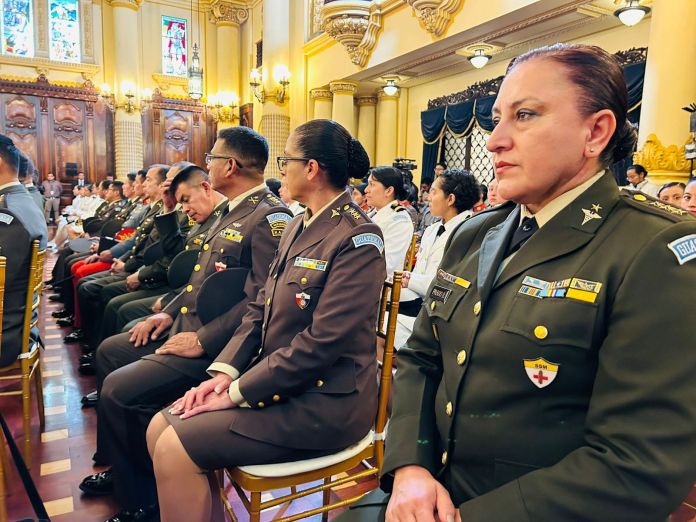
pixel 368 453
pixel 3 454
pixel 410 258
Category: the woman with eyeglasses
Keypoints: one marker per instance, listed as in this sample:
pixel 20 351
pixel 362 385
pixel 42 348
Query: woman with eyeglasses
pixel 298 378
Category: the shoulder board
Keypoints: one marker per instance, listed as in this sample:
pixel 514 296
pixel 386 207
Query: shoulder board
pixel 398 208
pixel 352 212
pixel 271 198
pixel 654 206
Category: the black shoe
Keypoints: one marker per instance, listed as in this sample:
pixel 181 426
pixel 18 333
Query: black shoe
pixel 86 349
pixel 64 322
pixel 48 282
pixel 74 337
pixel 90 400
pixel 61 314
pixel 98 460
pixel 87 358
pixel 55 298
pixel 87 369
pixel 147 514
pixel 98 484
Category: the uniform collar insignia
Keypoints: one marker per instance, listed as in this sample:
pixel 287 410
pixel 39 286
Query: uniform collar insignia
pixel 591 214
pixel 253 200
pixel 334 212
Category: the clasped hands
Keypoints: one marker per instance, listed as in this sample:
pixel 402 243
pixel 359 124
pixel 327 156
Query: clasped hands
pixel 418 497
pixel 210 395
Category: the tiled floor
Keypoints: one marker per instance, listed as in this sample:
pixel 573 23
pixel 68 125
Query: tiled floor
pixel 62 453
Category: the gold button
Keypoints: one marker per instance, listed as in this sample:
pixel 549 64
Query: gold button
pixel 206 246
pixel 276 398
pixel 461 357
pixel 261 405
pixel 477 308
pixel 189 288
pixel 268 301
pixel 640 197
pixel 222 250
pixel 196 268
pixel 346 207
pixel 432 305
pixel 183 310
pixel 320 383
pixel 186 247
pixel 304 280
pixel 444 458
pixel 133 249
pixel 448 409
pixel 541 332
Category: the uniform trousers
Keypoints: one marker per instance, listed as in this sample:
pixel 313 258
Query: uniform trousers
pixel 89 301
pixel 113 297
pixel 136 310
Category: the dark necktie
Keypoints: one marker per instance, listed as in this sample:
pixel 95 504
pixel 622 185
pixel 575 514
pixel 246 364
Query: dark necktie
pixel 440 230
pixel 521 235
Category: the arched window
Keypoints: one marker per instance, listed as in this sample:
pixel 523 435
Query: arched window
pixel 174 42
pixel 64 30
pixel 17 28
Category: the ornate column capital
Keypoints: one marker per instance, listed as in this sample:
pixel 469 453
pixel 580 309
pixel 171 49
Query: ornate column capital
pixel 321 94
pixel 226 13
pixel 657 158
pixel 128 4
pixel 343 87
pixel 384 96
pixel 363 101
pixel 354 24
pixel 435 14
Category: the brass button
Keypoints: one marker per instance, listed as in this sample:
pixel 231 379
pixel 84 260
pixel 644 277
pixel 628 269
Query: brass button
pixel 449 409
pixel 268 301
pixel 320 383
pixel 346 207
pixel 444 458
pixel 461 357
pixel 186 247
pixel 183 310
pixel 541 332
pixel 133 249
pixel 222 250
pixel 196 268
pixel 433 305
pixel 261 405
pixel 206 246
pixel 640 197
pixel 304 280
pixel 189 288
pixel 477 308
pixel 276 398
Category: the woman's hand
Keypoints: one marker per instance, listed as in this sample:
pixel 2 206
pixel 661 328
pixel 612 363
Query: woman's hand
pixel 417 496
pixel 212 402
pixel 197 395
pixel 405 278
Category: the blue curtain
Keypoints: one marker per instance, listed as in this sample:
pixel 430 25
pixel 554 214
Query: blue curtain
pixel 433 128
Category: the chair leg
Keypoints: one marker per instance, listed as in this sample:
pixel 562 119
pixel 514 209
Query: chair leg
pixel 3 466
pixel 26 416
pixel 326 500
pixel 39 396
pixel 255 507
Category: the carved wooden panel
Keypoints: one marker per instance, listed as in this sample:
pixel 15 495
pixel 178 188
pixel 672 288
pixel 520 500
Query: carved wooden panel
pixel 177 136
pixel 20 123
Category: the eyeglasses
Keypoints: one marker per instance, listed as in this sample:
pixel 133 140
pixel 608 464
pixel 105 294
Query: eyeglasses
pixel 283 161
pixel 210 157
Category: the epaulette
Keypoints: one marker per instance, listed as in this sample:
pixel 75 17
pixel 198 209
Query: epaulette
pixel 653 206
pixel 352 212
pixel 396 207
pixel 273 199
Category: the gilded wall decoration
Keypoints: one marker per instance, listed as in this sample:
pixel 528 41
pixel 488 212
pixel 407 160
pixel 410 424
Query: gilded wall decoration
pixel 435 14
pixel 355 25
pixel 655 157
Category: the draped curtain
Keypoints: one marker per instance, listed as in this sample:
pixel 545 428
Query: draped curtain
pixel 459 119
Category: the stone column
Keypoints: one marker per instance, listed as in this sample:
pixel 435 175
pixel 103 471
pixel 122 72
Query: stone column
pixel 128 129
pixel 227 18
pixel 387 127
pixel 670 83
pixel 367 109
pixel 275 118
pixel 343 106
pixel 323 101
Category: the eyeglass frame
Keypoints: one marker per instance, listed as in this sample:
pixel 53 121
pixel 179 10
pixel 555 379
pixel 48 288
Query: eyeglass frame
pixel 210 157
pixel 285 159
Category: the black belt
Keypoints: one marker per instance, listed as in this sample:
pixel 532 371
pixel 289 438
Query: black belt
pixel 410 308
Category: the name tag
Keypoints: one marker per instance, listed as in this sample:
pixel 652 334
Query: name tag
pixel 312 264
pixel 440 294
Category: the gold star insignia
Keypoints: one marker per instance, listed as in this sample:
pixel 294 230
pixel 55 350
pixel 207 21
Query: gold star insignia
pixel 334 212
pixel 596 207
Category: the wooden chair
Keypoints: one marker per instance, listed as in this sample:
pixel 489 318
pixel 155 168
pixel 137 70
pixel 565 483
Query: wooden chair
pixel 410 258
pixel 27 364
pixel 258 479
pixel 3 455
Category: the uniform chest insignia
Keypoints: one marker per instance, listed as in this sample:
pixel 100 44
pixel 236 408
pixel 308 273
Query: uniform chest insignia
pixel 684 248
pixel 278 221
pixel 583 290
pixel 219 265
pixel 450 278
pixel 253 200
pixel 369 239
pixel 440 293
pixel 236 224
pixel 334 213
pixel 540 371
pixel 353 213
pixel 231 235
pixel 197 240
pixel 302 300
pixel 6 218
pixel 191 221
pixel 591 214
pixel 312 264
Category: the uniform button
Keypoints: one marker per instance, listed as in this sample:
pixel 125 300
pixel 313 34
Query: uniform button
pixel 639 197
pixel 183 310
pixel 263 326
pixel 275 276
pixel 448 409
pixel 189 288
pixel 477 308
pixel 222 250
pixel 461 357
pixel 196 268
pixel 433 305
pixel 261 404
pixel 444 458
pixel 268 302
pixel 186 247
pixel 541 332
pixel 346 207
pixel 320 383
pixel 303 280
pixel 133 249
pixel 206 246
pixel 276 398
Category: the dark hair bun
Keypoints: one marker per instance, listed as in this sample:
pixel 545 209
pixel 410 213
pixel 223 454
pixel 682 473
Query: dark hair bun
pixel 358 161
pixel 624 139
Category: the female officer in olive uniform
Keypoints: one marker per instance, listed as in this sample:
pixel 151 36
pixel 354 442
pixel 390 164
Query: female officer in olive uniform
pixel 298 378
pixel 533 388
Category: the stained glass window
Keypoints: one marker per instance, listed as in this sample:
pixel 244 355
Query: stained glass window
pixel 174 46
pixel 17 28
pixel 64 30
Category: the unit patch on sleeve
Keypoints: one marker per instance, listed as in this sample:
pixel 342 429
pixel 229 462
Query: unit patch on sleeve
pixel 278 222
pixel 684 248
pixel 6 218
pixel 369 239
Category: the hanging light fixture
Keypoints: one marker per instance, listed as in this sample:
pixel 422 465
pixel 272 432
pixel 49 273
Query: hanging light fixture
pixel 391 88
pixel 195 72
pixel 479 59
pixel 632 13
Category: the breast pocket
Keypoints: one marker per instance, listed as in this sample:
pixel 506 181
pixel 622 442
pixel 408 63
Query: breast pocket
pixel 442 299
pixel 306 285
pixel 552 321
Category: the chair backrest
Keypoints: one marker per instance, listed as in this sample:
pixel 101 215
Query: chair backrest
pixel 3 267
pixel 389 308
pixel 410 258
pixel 34 288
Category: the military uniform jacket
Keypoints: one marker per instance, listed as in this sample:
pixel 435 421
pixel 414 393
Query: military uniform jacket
pixel 141 239
pixel 306 346
pixel 544 394
pixel 247 237
pixel 21 222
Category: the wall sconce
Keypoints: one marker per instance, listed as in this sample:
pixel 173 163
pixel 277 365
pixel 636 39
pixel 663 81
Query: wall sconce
pixel 128 90
pixel 224 104
pixel 107 96
pixel 479 59
pixel 391 88
pixel 632 13
pixel 255 79
pixel 281 75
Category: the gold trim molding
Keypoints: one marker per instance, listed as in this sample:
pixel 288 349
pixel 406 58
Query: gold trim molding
pixel 435 14
pixel 321 94
pixel 129 4
pixel 165 81
pixel 226 13
pixel 366 101
pixel 343 87
pixel 45 66
pixel 657 158
pixel 355 25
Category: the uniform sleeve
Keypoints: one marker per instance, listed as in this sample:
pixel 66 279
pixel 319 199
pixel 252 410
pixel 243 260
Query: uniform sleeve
pixel 422 276
pixel 122 247
pixel 637 463
pixel 172 243
pixel 397 238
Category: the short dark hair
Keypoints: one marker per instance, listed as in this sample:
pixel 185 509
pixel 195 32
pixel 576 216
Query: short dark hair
pixel 118 185
pixel 105 184
pixel 441 164
pixel 131 177
pixel 9 152
pixel 248 145
pixel 89 186
pixel 26 167
pixel 671 184
pixel 360 187
pixel 273 185
pixel 191 175
pixel 391 177
pixel 640 169
pixel 463 185
pixel 584 64
pixel 141 174
pixel 339 154
pixel 161 171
